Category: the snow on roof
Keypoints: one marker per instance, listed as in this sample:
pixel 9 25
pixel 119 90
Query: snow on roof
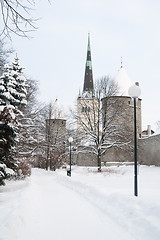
pixel 57 112
pixel 124 82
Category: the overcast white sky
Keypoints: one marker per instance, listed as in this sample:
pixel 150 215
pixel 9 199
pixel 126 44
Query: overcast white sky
pixel 56 55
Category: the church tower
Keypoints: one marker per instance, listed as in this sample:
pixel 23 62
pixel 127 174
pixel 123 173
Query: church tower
pixel 86 102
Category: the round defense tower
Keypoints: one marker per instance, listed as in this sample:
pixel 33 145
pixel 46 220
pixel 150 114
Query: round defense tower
pixel 121 106
pixel 55 135
pixel 56 124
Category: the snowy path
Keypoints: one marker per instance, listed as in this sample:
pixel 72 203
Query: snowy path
pixel 51 206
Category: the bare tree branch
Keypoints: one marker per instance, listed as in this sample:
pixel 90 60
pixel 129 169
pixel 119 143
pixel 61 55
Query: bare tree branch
pixel 16 17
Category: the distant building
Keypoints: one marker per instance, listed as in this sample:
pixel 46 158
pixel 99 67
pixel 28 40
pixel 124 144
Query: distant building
pixel 55 135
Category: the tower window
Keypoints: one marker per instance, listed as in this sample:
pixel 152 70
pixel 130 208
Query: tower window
pixel 86 109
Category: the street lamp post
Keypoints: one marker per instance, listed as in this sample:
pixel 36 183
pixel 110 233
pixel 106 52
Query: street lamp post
pixel 134 92
pixel 70 140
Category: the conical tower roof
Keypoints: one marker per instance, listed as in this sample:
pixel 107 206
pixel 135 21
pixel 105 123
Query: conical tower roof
pixel 123 82
pixel 88 79
pixel 57 112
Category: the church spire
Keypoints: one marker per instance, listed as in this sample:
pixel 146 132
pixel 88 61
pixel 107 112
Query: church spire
pixel 88 79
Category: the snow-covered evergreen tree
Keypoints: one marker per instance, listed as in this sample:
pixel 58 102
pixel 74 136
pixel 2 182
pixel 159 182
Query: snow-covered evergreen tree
pixel 8 119
pixel 12 98
pixel 20 84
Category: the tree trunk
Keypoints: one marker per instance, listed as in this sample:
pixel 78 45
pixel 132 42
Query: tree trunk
pixel 99 161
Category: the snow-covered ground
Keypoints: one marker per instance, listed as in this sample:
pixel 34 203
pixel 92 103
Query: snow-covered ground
pixel 88 205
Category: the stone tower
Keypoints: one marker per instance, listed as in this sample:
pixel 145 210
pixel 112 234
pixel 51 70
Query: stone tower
pixel 124 118
pixel 55 134
pixel 86 101
pixel 124 83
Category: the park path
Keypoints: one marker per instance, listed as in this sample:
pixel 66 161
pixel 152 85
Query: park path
pixel 52 206
pixel 41 207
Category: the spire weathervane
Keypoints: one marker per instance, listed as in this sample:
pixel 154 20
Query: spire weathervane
pixel 121 63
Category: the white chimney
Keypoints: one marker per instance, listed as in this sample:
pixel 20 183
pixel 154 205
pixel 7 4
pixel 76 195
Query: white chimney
pixel 149 130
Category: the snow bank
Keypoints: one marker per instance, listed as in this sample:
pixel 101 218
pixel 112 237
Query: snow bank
pixel 88 205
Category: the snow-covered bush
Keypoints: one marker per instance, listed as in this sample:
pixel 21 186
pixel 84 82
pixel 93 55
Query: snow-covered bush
pixel 5 173
pixel 24 169
pixel 2 173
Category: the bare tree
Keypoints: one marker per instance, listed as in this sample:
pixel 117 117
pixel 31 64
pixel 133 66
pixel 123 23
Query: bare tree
pixel 4 54
pixel 98 126
pixel 16 17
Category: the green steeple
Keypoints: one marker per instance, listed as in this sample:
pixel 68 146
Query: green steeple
pixel 89 46
pixel 88 79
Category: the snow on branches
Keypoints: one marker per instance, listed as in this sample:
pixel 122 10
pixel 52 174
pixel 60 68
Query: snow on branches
pixel 12 99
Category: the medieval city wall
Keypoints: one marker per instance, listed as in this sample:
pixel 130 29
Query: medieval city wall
pixel 112 155
pixel 86 157
pixel 149 150
pixel 148 154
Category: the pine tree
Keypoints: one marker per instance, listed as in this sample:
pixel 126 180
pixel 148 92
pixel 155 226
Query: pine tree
pixel 20 84
pixel 8 119
pixel 12 99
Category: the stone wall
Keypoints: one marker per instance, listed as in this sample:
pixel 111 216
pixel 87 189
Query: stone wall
pixel 149 150
pixel 86 157
pixel 148 154
pixel 89 159
pixel 118 155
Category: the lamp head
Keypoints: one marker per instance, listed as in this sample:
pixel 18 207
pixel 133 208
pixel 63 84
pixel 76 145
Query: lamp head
pixel 134 91
pixel 70 139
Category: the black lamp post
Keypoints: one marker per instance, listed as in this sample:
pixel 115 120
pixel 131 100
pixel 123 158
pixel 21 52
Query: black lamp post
pixel 134 92
pixel 70 140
